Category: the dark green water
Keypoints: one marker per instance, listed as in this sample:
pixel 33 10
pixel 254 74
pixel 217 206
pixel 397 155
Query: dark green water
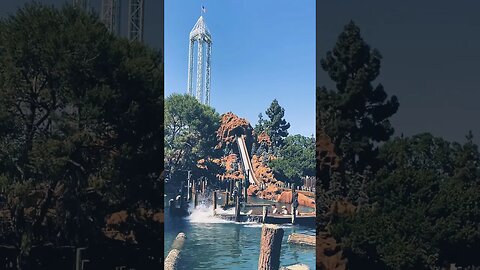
pixel 213 243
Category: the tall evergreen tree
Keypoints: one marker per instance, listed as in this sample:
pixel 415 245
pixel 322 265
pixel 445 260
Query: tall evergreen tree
pixel 356 115
pixel 276 125
pixel 260 126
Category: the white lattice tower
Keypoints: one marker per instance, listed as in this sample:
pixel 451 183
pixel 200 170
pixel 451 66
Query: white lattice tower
pixel 207 75
pixel 135 20
pixel 200 35
pixel 110 15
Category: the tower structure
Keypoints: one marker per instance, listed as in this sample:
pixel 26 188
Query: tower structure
pixel 83 4
pixel 135 20
pixel 201 36
pixel 110 15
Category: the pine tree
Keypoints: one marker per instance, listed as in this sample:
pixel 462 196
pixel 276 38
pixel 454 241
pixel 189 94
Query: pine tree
pixel 260 126
pixel 277 126
pixel 357 114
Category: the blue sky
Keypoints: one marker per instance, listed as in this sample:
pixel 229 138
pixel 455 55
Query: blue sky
pixel 261 50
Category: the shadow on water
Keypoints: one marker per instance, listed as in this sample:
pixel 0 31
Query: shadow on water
pixel 214 243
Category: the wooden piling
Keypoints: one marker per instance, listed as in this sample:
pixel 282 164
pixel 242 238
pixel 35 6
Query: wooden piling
pixel 192 189
pixel 264 213
pixel 237 208
pixel 214 202
pixel 227 196
pixel 171 261
pixel 270 247
pixel 182 194
pixel 195 200
pixel 189 189
pixel 294 214
pixel 240 190
pixel 79 258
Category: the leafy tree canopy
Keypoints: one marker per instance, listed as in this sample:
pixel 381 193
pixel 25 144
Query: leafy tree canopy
pixel 83 115
pixel 424 210
pixel 297 158
pixel 190 132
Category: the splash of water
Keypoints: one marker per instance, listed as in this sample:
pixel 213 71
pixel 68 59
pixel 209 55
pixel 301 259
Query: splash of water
pixel 204 214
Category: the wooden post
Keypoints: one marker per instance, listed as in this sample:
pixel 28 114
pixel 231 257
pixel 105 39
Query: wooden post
pixel 189 189
pixel 237 208
pixel 270 247
pixel 195 200
pixel 226 199
pixel 171 261
pixel 240 190
pixel 293 214
pixel 264 214
pixel 79 258
pixel 214 201
pixel 192 189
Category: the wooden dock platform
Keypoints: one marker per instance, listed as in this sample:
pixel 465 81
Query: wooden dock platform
pixel 303 220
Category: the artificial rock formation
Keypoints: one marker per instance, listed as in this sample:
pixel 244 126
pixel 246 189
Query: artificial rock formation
pixel 264 138
pixel 329 254
pixel 326 156
pixel 286 197
pixel 231 126
pixel 262 171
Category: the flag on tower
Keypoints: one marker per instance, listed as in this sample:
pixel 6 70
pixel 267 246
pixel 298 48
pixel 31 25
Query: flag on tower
pixel 204 10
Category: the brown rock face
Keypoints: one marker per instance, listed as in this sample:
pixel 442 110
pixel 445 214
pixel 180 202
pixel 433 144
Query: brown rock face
pixel 252 190
pixel 329 254
pixel 262 171
pixel 231 126
pixel 306 201
pixel 264 138
pixel 286 197
pixel 326 155
pixel 229 173
pixel 271 192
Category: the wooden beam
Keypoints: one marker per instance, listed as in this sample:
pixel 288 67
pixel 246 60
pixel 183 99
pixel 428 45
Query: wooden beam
pixel 302 239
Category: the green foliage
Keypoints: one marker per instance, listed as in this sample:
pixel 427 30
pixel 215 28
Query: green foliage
pixel 84 113
pixel 261 125
pixel 424 209
pixel 416 199
pixel 297 158
pixel 190 132
pixel 356 115
pixel 276 126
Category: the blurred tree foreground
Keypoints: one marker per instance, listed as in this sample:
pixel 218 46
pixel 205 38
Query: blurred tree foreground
pixel 388 203
pixel 81 115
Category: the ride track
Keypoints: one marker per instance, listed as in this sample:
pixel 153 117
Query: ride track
pixel 247 163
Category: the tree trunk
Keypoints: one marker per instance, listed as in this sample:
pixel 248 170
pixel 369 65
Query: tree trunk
pixel 270 246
